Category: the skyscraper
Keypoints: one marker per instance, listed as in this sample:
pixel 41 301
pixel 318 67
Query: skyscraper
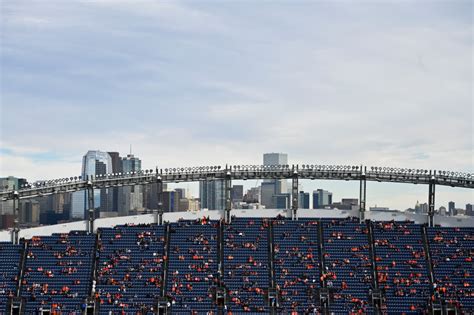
pixel 321 198
pixel 469 210
pixel 130 198
pixel 113 193
pixel 131 164
pixel 272 187
pixel 451 208
pixel 212 194
pixel 303 200
pixel 93 163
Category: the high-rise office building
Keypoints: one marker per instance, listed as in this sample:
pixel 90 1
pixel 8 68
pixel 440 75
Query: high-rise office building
pixel 321 198
pixel 93 163
pixel 130 197
pixel 212 194
pixel 451 208
pixel 8 183
pixel 237 193
pixel 281 201
pixel 181 192
pixel 469 210
pixel 281 185
pixel 113 193
pixel 303 200
pixel 272 187
pixel 131 164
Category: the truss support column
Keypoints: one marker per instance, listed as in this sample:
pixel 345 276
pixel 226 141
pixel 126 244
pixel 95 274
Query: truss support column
pixel 431 200
pixel 159 192
pixel 362 194
pixel 228 194
pixel 90 203
pixel 16 214
pixel 294 193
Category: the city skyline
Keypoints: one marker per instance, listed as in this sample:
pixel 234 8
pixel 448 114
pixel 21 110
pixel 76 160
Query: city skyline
pixel 374 84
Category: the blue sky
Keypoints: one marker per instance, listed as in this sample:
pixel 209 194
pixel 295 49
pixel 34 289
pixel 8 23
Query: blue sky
pixel 204 82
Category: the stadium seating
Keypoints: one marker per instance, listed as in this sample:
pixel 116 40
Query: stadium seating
pixel 130 266
pixel 297 264
pixel 452 254
pixel 246 272
pixel 401 266
pixel 9 269
pixel 58 271
pixel 192 269
pixel 135 265
pixel 348 263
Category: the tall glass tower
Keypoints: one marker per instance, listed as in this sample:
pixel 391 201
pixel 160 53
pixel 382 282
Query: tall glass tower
pixel 93 163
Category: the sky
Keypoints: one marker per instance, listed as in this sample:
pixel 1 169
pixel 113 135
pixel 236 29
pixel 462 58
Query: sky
pixel 383 83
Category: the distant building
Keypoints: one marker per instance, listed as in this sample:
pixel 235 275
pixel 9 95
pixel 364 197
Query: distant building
pixel 442 211
pixel 350 201
pixel 237 193
pixel 321 198
pixel 212 194
pixel 130 198
pixel 131 164
pixel 451 208
pixel 181 192
pixel 469 210
pixel 170 201
pixel 187 204
pixel 30 212
pixel 253 195
pixel 93 163
pixel 303 200
pixel 9 183
pixel 267 192
pixel 272 187
pixel 281 201
pixel 113 193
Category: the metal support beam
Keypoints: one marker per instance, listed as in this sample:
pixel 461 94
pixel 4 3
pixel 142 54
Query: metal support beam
pixel 159 192
pixel 362 195
pixel 294 193
pixel 16 215
pixel 91 211
pixel 431 199
pixel 228 194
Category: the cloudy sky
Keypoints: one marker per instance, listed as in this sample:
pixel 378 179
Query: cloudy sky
pixel 206 83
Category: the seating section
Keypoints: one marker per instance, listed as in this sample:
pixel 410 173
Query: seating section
pixel 58 271
pixel 130 266
pixel 401 266
pixel 452 252
pixel 297 265
pixel 10 256
pixel 134 267
pixel 348 263
pixel 246 271
pixel 192 269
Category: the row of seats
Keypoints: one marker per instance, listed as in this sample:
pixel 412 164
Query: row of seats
pixel 130 267
pixel 9 270
pixel 349 269
pixel 192 269
pixel 401 266
pixel 452 253
pixel 58 271
pixel 297 265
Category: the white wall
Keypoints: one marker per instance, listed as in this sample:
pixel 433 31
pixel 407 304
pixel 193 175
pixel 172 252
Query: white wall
pixel 250 213
pixel 50 229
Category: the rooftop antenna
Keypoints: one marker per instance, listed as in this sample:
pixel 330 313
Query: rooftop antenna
pixel 130 149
